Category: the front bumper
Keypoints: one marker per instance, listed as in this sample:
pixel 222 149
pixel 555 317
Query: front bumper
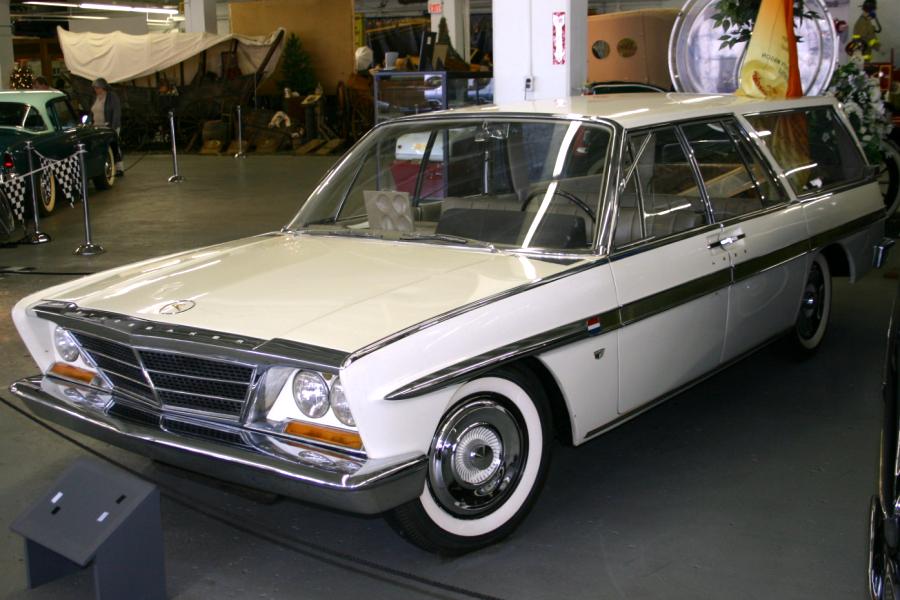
pixel 293 469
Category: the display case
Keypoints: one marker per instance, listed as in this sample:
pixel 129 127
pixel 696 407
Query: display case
pixel 401 93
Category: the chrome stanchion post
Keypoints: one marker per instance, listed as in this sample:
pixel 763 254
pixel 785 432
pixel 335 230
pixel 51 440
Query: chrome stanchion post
pixel 240 152
pixel 88 248
pixel 36 236
pixel 175 178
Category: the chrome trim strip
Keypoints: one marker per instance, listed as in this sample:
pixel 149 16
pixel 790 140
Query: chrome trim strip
pixel 675 296
pixel 403 333
pixel 560 336
pixel 302 355
pixel 755 266
pixel 345 481
pixel 820 240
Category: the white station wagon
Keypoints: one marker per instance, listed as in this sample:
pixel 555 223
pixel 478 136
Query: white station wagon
pixel 461 288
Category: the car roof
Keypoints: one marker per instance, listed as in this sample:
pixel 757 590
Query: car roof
pixel 29 96
pixel 641 109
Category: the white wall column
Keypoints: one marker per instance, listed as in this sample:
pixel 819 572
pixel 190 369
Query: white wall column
pixel 524 48
pixel 7 58
pixel 457 14
pixel 200 16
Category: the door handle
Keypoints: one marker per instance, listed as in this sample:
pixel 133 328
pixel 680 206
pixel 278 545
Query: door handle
pixel 726 241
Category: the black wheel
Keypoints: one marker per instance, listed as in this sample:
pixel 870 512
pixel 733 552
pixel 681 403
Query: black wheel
pixel 46 195
pixel 486 466
pixel 815 307
pixel 878 583
pixel 889 176
pixel 563 194
pixel 108 178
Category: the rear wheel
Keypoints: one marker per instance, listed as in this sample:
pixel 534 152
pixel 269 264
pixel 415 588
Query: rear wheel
pixel 108 178
pixel 46 194
pixel 815 307
pixel 486 465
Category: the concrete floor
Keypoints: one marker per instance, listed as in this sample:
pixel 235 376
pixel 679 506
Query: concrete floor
pixel 754 484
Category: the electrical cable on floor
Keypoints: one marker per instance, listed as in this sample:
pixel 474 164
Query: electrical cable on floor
pixel 140 158
pixel 335 558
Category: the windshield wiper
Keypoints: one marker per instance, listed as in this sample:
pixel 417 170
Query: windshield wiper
pixel 446 238
pixel 363 233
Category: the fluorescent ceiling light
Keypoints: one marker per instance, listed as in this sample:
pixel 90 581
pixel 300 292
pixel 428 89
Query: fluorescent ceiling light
pixel 86 17
pixel 63 4
pixel 124 8
pixel 110 7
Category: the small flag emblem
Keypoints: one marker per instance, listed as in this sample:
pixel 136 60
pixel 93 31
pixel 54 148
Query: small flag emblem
pixel 593 325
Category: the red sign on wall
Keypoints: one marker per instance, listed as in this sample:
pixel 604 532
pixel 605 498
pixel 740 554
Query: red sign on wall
pixel 435 8
pixel 559 38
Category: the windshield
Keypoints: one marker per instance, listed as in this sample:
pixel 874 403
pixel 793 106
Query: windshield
pixel 17 114
pixel 507 183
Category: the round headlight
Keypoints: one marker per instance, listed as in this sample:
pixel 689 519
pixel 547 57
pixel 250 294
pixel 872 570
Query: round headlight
pixel 65 345
pixel 311 394
pixel 339 404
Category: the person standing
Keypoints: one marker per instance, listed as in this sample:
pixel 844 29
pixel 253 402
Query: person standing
pixel 41 84
pixel 106 111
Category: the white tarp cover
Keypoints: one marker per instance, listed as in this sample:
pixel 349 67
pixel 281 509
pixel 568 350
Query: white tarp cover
pixel 121 56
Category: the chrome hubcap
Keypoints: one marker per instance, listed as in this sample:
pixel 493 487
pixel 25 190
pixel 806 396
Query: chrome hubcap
pixel 477 457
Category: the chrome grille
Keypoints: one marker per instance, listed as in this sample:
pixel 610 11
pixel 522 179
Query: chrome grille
pixel 171 380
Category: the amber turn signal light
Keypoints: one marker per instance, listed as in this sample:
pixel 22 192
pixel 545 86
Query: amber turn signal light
pixel 330 435
pixel 72 372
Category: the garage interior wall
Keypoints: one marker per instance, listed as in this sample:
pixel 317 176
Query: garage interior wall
pixel 325 28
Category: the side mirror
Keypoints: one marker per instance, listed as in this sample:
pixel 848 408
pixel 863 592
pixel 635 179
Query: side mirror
pixel 84 119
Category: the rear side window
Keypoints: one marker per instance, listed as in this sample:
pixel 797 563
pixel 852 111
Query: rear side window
pixel 812 146
pixel 735 181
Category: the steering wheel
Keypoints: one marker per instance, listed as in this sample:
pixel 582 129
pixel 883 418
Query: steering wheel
pixel 564 194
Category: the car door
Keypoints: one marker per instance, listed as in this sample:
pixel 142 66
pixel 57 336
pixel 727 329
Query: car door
pixel 765 236
pixel 670 272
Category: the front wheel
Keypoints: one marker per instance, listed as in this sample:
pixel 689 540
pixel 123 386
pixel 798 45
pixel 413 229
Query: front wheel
pixel 486 466
pixel 815 307
pixel 108 178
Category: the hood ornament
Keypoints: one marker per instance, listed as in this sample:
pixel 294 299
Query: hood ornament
pixel 177 307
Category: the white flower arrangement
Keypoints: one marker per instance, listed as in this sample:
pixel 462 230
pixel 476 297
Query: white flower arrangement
pixel 863 102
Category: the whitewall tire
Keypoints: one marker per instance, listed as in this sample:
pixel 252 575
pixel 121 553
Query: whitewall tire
pixel 46 195
pixel 815 307
pixel 108 178
pixel 486 465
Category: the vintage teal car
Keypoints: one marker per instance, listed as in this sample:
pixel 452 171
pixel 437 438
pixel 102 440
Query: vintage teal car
pixel 48 120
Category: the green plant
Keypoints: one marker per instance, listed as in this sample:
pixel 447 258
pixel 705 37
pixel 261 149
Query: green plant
pixel 736 19
pixel 863 103
pixel 296 67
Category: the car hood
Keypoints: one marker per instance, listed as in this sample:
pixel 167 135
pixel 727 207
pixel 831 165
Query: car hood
pixel 334 292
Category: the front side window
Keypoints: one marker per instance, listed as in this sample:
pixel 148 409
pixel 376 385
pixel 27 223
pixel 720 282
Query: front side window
pixel 63 113
pixel 812 146
pixel 510 183
pixel 661 191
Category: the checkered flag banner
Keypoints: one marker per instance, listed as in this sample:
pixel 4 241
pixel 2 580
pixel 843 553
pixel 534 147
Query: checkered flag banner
pixel 66 172
pixel 14 189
